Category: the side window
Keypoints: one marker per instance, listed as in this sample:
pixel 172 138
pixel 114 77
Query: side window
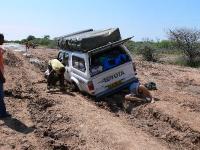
pixel 78 63
pixel 65 60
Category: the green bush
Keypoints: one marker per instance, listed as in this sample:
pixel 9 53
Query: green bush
pixel 45 41
pixel 52 44
pixel 183 61
pixel 130 45
pixel 165 44
pixel 148 53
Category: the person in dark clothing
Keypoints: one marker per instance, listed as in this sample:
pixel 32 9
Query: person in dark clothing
pixel 27 46
pixel 3 112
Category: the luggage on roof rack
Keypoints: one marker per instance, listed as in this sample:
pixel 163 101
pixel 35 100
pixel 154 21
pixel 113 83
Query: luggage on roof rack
pixel 88 39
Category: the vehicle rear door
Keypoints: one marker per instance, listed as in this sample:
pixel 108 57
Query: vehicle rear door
pixel 113 79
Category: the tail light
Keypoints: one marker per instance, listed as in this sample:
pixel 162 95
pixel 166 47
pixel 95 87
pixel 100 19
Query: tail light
pixel 90 86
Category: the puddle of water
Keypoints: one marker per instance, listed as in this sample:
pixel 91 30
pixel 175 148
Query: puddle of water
pixel 14 47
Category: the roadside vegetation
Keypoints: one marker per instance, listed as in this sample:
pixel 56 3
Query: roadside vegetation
pixel 181 48
pixel 45 41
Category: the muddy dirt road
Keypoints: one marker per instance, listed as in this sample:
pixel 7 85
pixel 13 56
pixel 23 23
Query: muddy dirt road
pixel 70 120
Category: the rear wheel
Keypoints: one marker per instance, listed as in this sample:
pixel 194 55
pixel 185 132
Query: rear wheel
pixel 74 87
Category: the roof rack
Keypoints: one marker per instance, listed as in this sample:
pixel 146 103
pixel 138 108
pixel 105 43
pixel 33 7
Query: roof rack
pixel 109 45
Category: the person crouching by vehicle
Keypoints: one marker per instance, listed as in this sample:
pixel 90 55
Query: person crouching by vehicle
pixel 138 90
pixel 56 73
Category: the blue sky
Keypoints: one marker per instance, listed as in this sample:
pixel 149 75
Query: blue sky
pixel 141 18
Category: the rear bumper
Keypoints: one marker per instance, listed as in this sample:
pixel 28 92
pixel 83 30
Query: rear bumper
pixel 117 89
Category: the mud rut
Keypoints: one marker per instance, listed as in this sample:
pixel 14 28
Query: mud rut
pixel 56 129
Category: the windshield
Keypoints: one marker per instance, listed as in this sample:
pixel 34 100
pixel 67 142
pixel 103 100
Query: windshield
pixel 108 59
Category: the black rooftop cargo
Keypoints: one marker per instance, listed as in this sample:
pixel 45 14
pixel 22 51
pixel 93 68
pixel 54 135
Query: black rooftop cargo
pixel 88 39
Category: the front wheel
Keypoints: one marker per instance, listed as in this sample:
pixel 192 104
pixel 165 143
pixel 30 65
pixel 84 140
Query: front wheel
pixel 74 87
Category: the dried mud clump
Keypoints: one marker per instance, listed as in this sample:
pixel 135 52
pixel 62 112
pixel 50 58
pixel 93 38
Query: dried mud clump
pixel 42 104
pixel 167 127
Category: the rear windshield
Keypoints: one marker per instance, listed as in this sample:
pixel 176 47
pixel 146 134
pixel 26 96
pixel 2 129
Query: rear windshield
pixel 108 59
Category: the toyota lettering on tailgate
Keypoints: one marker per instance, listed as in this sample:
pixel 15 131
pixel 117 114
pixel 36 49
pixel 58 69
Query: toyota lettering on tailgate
pixel 114 76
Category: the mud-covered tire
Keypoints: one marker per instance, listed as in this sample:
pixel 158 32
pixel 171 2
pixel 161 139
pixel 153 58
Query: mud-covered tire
pixel 74 87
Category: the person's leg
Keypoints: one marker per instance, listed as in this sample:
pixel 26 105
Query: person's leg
pixel 130 97
pixel 55 79
pixel 50 79
pixel 2 104
pixel 138 90
pixel 145 92
pixel 50 68
pixel 133 91
pixel 62 80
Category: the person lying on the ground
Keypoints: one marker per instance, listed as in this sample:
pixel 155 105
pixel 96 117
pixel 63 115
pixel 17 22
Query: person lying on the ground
pixel 56 73
pixel 138 90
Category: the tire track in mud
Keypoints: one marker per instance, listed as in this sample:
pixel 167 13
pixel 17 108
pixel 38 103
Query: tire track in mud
pixel 166 127
pixel 46 118
pixel 173 129
pixel 19 128
pixel 179 91
pixel 24 91
pixel 156 122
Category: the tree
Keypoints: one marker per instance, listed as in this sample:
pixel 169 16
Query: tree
pixel 30 38
pixel 187 40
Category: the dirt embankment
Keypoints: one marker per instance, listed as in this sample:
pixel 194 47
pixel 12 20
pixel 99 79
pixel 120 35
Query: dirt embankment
pixel 42 120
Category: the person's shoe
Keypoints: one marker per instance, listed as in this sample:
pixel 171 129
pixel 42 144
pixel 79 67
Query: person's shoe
pixel 152 100
pixel 149 100
pixel 6 115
